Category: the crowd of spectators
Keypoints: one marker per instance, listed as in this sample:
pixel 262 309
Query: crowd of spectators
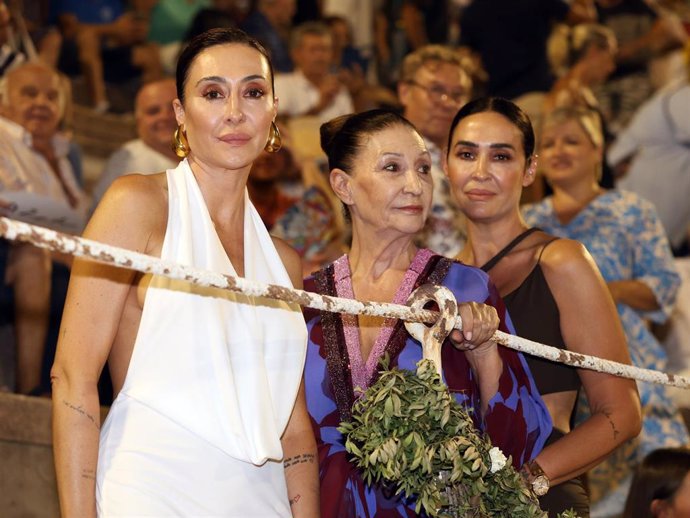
pixel 627 60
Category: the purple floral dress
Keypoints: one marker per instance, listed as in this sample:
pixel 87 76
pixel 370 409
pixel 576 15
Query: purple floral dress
pixel 517 420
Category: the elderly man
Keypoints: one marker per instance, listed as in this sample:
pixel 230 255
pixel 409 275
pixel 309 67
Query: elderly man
pixel 312 89
pixel 33 158
pixel 433 86
pixel 152 151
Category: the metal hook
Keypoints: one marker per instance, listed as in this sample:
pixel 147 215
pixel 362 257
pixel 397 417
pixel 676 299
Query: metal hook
pixel 432 337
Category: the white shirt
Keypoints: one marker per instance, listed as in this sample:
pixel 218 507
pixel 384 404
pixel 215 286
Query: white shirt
pixel 134 156
pixel 297 95
pixel 24 169
pixel 659 138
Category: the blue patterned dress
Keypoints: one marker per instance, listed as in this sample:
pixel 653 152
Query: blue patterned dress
pixel 516 420
pixel 624 235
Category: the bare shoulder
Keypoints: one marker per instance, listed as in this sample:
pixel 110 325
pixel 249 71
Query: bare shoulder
pixel 572 274
pixel 567 258
pixel 133 209
pixel 291 260
pixel 138 192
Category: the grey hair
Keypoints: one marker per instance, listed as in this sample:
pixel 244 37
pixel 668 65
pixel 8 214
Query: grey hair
pixel 312 28
pixel 431 54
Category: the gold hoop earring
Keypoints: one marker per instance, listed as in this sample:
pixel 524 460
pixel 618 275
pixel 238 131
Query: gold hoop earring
pixel 275 141
pixel 179 144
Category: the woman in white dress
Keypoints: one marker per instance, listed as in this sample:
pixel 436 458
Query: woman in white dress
pixel 209 417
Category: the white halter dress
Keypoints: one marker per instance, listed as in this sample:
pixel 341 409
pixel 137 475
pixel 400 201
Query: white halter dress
pixel 195 431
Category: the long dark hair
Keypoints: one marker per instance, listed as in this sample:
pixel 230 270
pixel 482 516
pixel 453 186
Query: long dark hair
pixel 508 109
pixel 208 39
pixel 658 477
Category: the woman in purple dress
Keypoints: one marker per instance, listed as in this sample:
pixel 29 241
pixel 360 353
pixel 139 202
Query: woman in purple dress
pixel 380 171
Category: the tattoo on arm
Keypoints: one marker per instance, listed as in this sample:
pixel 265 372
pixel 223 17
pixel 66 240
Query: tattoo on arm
pixel 613 425
pixel 294 500
pixel 88 474
pixel 299 459
pixel 83 412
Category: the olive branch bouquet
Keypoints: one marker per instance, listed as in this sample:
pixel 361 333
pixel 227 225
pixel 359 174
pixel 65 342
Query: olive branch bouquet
pixel 409 432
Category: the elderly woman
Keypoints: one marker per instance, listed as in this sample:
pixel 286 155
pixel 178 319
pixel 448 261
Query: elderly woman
pixel 209 417
pixel 624 235
pixel 380 171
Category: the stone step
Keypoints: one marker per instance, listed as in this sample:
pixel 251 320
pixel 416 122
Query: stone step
pixel 27 474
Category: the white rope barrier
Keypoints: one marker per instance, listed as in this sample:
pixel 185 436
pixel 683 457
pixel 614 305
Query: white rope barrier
pixel 107 254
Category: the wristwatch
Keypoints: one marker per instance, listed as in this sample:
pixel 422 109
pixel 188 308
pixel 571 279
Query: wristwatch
pixel 535 477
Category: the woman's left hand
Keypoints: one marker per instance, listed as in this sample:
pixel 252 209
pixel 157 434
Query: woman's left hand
pixel 479 323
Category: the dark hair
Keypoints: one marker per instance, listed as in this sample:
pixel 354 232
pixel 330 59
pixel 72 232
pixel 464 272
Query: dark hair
pixel 508 109
pixel 208 39
pixel 208 19
pixel 343 137
pixel 658 477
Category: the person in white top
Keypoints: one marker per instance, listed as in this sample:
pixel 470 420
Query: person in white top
pixel 312 89
pixel 655 147
pixel 209 417
pixel 33 159
pixel 34 154
pixel 152 152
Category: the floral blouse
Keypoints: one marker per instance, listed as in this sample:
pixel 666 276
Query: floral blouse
pixel 627 241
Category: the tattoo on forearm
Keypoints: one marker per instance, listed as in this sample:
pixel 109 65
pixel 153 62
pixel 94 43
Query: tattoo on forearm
pixel 294 500
pixel 613 425
pixel 88 474
pixel 83 412
pixel 298 459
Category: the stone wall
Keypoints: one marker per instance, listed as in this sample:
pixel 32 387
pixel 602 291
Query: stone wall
pixel 27 476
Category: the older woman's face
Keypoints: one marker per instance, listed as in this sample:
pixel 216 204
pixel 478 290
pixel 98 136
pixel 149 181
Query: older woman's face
pixel 568 156
pixel 486 166
pixel 228 106
pixel 390 186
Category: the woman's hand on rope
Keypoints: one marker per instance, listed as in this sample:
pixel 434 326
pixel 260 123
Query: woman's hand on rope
pixel 479 323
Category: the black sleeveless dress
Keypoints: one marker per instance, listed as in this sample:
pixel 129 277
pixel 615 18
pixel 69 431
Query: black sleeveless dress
pixel 535 316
